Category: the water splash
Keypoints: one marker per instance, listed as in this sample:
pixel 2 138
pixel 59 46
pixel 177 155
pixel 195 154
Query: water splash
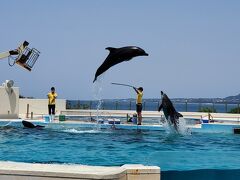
pixel 97 90
pixel 8 124
pixel 166 125
pixel 75 131
pixel 182 128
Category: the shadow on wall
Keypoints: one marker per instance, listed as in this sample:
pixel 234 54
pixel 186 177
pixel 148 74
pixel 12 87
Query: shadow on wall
pixel 12 100
pixel 202 174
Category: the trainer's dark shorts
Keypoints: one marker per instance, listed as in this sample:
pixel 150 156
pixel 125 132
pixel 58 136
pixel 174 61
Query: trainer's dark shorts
pixel 51 109
pixel 139 107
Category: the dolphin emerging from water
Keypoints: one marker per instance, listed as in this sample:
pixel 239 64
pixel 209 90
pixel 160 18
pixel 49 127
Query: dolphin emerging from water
pixel 169 111
pixel 118 55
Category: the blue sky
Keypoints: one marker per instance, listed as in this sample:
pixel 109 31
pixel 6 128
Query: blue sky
pixel 193 46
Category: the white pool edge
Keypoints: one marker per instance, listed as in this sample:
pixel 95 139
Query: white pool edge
pixel 36 171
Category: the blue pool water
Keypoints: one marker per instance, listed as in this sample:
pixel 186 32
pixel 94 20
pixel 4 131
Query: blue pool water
pixel 70 144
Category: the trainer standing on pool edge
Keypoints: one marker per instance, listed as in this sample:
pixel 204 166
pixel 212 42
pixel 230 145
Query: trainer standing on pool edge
pixel 51 102
pixel 139 92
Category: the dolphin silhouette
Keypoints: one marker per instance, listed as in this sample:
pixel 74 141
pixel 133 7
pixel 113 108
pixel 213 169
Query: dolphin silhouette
pixel 118 55
pixel 31 125
pixel 169 111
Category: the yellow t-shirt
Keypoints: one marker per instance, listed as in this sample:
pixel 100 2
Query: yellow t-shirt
pixel 139 97
pixel 51 98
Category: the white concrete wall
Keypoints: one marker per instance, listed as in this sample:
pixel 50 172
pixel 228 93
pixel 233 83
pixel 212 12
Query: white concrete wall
pixel 9 100
pixel 39 106
pixel 27 171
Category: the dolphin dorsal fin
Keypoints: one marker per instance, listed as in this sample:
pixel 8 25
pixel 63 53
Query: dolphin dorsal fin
pixel 111 49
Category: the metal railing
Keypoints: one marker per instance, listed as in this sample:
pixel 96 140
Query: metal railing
pixel 152 106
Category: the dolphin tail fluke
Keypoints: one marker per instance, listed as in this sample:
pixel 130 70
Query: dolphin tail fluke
pixel 111 49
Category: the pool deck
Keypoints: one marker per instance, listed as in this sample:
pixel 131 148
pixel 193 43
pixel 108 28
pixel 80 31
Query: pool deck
pixel 216 122
pixel 23 171
pixel 124 113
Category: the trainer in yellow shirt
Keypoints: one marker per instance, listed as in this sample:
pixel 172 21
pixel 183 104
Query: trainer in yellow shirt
pixel 139 97
pixel 52 101
pixel 139 92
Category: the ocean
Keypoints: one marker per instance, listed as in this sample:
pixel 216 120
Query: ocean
pixel 148 105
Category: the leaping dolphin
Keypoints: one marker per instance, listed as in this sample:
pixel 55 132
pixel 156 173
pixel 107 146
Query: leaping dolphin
pixel 118 55
pixel 169 111
pixel 31 125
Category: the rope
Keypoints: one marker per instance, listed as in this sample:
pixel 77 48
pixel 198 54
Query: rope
pixel 10 58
